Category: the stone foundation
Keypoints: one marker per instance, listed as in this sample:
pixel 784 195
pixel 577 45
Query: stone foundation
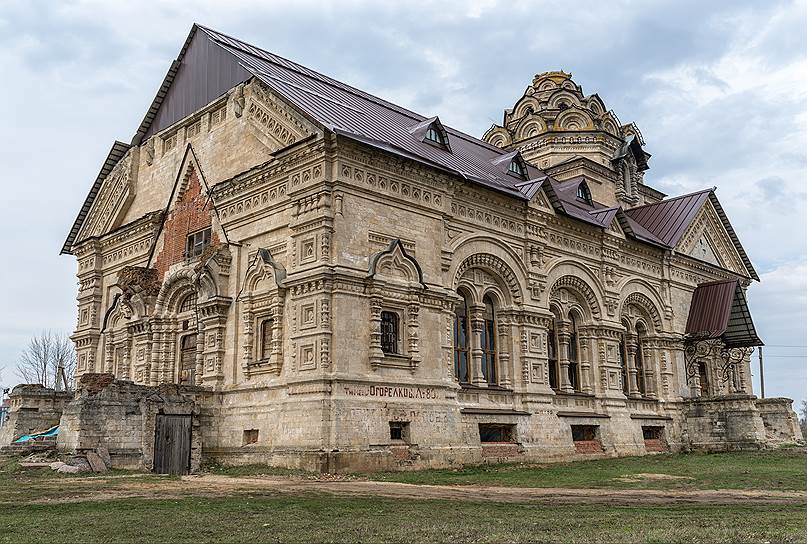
pixel 739 422
pixel 780 421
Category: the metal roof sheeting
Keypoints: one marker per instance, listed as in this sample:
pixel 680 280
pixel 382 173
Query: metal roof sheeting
pixel 719 310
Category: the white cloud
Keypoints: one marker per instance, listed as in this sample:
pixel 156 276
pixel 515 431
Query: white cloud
pixel 721 99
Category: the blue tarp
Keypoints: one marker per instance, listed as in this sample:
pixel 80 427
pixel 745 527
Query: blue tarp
pixel 50 433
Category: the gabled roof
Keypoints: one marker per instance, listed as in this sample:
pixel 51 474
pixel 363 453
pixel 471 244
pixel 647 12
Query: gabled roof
pixel 355 114
pixel 115 154
pixel 667 221
pixel 719 310
pixel 210 64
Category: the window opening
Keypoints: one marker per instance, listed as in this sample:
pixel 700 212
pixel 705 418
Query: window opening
pixel 197 242
pixel 461 340
pixel 389 332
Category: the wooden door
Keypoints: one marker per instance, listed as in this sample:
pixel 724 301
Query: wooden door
pixel 172 444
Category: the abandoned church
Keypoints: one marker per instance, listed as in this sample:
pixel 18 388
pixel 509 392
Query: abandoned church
pixel 283 269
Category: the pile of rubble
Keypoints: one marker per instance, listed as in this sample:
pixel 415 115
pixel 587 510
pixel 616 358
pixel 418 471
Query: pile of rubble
pixel 97 460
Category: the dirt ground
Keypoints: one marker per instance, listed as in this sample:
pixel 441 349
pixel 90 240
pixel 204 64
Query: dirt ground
pixel 208 485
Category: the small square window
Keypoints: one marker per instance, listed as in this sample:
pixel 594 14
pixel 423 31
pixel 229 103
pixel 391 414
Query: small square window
pixel 653 433
pixel 197 242
pixel 494 432
pixel 582 433
pixel 399 431
pixel 250 436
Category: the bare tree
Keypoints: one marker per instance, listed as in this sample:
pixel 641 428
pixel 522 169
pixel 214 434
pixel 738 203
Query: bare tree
pixel 42 357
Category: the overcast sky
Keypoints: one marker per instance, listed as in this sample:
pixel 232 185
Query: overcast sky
pixel 718 89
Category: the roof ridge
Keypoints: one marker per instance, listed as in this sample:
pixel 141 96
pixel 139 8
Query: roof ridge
pixel 671 199
pixel 328 80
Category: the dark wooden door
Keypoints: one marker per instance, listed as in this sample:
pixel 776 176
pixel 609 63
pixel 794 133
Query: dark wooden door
pixel 172 444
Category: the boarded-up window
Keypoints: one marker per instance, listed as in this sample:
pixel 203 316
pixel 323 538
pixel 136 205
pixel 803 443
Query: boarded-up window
pixel 187 359
pixel 266 338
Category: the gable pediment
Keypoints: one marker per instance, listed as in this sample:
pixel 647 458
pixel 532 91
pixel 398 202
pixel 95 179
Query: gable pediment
pixel 116 193
pixel 707 240
pixel 270 119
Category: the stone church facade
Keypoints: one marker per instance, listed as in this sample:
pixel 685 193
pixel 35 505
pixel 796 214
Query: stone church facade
pixel 338 283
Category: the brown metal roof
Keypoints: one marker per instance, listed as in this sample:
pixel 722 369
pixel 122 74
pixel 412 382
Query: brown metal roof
pixel 669 219
pixel 355 114
pixel 719 310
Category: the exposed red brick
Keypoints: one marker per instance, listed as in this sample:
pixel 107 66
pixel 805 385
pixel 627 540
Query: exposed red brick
pixel 191 212
pixel 655 444
pixel 95 381
pixel 588 446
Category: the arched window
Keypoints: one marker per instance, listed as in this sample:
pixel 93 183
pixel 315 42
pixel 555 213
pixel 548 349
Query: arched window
pixel 461 341
pixel 623 359
pixel 188 303
pixel 517 169
pixel 574 355
pixel 552 355
pixel 638 359
pixel 489 343
pixel 583 193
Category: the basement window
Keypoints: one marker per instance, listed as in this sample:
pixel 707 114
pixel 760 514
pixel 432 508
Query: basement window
pixel 250 436
pixel 399 431
pixel 197 242
pixel 586 438
pixel 653 433
pixel 496 433
pixel 584 432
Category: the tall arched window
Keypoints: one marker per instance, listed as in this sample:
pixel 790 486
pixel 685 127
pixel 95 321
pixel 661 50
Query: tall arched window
pixel 574 355
pixel 641 332
pixel 552 355
pixel 489 343
pixel 461 342
pixel 623 359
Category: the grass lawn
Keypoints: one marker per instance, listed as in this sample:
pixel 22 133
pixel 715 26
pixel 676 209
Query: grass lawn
pixel 312 518
pixel 784 469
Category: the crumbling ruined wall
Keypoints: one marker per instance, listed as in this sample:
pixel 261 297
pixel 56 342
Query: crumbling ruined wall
pixel 781 422
pixel 33 408
pixel 120 416
pixel 724 423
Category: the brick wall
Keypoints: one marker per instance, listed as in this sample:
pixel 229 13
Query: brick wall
pixel 588 446
pixel 192 212
pixel 656 445
pixel 500 450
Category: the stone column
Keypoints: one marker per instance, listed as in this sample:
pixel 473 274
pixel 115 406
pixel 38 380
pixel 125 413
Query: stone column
pixel 633 385
pixel 503 354
pixel 564 337
pixel 650 381
pixel 477 325
pixel 586 381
